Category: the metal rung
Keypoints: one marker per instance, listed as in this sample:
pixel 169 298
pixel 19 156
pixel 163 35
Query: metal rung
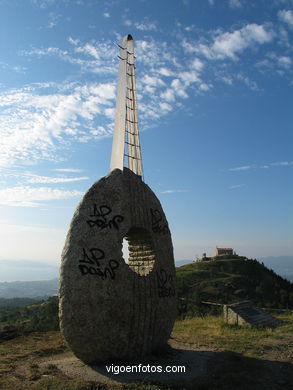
pixel 128 120
pixel 129 132
pixel 134 158
pixel 128 143
pixel 123 59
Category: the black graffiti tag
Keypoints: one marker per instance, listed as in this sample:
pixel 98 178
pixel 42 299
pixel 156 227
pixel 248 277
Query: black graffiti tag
pixel 165 284
pixel 159 225
pixel 93 262
pixel 101 218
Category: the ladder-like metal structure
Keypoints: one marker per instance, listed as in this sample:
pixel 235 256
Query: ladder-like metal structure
pixel 126 136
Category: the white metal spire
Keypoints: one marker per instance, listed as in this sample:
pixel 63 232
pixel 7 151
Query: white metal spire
pixel 126 136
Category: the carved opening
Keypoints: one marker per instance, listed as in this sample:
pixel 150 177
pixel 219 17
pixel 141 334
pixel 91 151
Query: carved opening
pixel 125 250
pixel 141 257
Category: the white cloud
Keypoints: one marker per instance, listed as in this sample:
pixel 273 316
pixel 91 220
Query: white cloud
pixel 106 15
pixel 165 107
pixel 26 196
pixel 53 19
pixel 197 64
pixel 34 179
pixel 89 49
pixel 282 163
pixel 285 62
pixel 173 191
pixel 34 123
pixel 146 26
pixel 233 187
pixel 286 16
pixel 275 62
pixel 179 88
pixel 247 81
pixel 165 72
pixel 242 168
pixel 229 44
pixel 43 3
pixel 205 87
pixel 235 4
pixel 95 57
pixel 69 170
pixel 152 81
pixel 265 166
pixel 189 77
pixel 15 68
pixel 168 95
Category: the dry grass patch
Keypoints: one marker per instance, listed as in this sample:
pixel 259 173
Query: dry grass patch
pixel 212 332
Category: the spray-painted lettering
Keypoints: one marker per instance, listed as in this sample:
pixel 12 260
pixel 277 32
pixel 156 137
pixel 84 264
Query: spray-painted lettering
pixel 165 284
pixel 93 262
pixel 159 225
pixel 102 219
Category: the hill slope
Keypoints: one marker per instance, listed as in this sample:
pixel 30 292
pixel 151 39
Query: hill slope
pixel 228 280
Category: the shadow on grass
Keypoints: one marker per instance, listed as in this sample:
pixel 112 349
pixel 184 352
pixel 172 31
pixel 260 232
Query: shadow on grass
pixel 231 371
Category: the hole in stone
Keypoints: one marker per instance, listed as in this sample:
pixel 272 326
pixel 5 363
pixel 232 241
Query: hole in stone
pixel 141 254
pixel 125 250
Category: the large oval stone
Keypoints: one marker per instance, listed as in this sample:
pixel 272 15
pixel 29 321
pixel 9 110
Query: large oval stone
pixel 109 309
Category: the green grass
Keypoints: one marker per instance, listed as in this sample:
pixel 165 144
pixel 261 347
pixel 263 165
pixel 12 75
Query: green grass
pixel 212 332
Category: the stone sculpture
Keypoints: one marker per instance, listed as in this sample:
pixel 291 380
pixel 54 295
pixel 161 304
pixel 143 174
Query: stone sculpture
pixel 110 309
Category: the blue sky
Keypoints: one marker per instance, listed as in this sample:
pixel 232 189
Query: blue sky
pixel 214 83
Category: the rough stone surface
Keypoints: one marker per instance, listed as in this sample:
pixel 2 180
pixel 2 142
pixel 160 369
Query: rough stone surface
pixel 111 310
pixel 245 313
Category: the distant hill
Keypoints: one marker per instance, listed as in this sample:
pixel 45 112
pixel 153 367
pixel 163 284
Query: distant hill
pixel 178 263
pixel 17 302
pixel 230 280
pixel 282 265
pixel 34 289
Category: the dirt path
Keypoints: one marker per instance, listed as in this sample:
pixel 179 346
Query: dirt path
pixel 193 361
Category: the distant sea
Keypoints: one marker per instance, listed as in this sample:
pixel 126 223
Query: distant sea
pixel 24 270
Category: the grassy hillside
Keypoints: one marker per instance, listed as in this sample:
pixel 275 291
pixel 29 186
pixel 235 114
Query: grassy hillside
pixel 228 280
pixel 38 317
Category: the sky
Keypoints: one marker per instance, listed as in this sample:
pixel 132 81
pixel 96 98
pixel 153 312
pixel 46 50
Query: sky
pixel 214 85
